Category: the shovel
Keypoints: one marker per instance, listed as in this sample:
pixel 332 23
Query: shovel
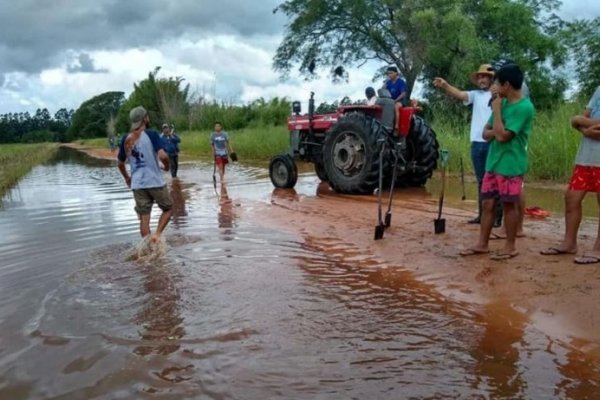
pixel 439 224
pixel 380 228
pixel 462 179
pixel 388 214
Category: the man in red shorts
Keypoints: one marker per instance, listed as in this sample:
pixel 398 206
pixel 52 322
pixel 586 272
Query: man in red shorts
pixel 508 132
pixel 219 140
pixel 586 178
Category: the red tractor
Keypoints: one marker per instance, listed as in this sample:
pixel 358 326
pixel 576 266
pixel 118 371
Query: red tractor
pixel 357 145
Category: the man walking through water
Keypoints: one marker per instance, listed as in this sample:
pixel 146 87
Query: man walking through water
pixel 480 100
pixel 171 145
pixel 143 148
pixel 221 148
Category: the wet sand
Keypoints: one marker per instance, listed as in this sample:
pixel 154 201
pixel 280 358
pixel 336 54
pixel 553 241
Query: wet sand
pixel 558 296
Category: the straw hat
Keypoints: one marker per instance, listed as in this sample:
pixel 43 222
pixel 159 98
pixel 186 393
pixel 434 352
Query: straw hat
pixel 484 69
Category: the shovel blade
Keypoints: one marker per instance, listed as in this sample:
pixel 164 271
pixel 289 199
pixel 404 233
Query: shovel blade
pixel 379 229
pixel 439 226
pixel 388 219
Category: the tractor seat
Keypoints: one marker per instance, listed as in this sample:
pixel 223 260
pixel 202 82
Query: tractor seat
pixel 388 113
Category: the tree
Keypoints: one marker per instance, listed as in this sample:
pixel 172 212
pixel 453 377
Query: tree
pixel 423 38
pixel 165 99
pixel 583 40
pixel 91 117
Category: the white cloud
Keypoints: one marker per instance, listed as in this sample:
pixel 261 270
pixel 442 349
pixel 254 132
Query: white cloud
pixel 233 64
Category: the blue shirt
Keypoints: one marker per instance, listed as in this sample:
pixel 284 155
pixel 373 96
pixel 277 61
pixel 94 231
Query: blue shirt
pixel 589 149
pixel 594 105
pixel 396 87
pixel 171 144
pixel 143 160
pixel 220 140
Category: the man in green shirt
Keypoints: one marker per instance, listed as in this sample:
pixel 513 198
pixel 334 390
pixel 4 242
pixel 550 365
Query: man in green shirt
pixel 508 132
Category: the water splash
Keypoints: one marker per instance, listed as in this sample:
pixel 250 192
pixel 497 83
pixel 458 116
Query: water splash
pixel 148 250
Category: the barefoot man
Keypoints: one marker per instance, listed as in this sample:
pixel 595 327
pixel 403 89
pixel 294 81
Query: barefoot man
pixel 143 148
pixel 586 178
pixel 508 132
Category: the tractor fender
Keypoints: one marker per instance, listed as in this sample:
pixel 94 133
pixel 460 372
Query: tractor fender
pixel 405 120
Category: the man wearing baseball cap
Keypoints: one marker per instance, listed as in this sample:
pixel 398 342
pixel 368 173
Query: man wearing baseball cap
pixel 480 100
pixel 171 145
pixel 143 148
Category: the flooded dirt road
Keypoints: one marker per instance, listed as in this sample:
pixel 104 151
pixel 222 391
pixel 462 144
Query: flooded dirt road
pixel 266 294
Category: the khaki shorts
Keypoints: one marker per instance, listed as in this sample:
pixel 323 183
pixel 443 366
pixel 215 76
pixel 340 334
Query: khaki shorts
pixel 145 198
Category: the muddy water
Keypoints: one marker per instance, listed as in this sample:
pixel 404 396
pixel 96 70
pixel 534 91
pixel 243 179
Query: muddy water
pixel 235 310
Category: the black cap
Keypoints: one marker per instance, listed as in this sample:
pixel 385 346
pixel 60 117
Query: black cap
pixel 392 69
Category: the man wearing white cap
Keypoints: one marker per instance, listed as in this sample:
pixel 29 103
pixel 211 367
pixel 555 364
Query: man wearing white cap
pixel 143 148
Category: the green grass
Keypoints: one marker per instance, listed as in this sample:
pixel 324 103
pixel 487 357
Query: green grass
pixel 259 143
pixel 16 160
pixel 552 146
pixel 250 144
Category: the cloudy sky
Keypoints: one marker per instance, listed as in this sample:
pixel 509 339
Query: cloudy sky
pixel 59 53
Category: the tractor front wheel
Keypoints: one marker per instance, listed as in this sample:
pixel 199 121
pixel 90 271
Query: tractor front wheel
pixel 283 171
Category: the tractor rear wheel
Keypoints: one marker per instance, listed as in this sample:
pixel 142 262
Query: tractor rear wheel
pixel 283 171
pixel 351 156
pixel 421 154
pixel 320 171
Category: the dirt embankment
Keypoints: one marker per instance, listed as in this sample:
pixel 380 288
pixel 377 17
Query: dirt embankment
pixel 559 297
pixel 97 152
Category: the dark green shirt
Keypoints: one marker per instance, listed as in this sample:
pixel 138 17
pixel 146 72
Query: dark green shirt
pixel 510 158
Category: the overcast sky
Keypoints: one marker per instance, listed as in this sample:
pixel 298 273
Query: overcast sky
pixel 59 53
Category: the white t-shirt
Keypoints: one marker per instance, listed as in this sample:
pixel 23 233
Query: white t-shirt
pixel 480 100
pixel 372 101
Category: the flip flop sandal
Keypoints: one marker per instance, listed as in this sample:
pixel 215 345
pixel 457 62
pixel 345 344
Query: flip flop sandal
pixel 472 252
pixel 497 236
pixel 504 256
pixel 586 260
pixel 555 251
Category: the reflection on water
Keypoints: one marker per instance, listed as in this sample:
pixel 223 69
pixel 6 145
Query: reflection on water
pixel 226 215
pixel 497 352
pixel 227 309
pixel 158 317
pixel 179 198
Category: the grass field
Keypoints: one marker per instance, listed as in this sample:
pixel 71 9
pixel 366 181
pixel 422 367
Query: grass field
pixel 250 144
pixel 18 159
pixel 552 146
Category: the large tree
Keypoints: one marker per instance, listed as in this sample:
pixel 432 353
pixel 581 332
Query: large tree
pixel 165 99
pixel 583 40
pixel 91 117
pixel 423 38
